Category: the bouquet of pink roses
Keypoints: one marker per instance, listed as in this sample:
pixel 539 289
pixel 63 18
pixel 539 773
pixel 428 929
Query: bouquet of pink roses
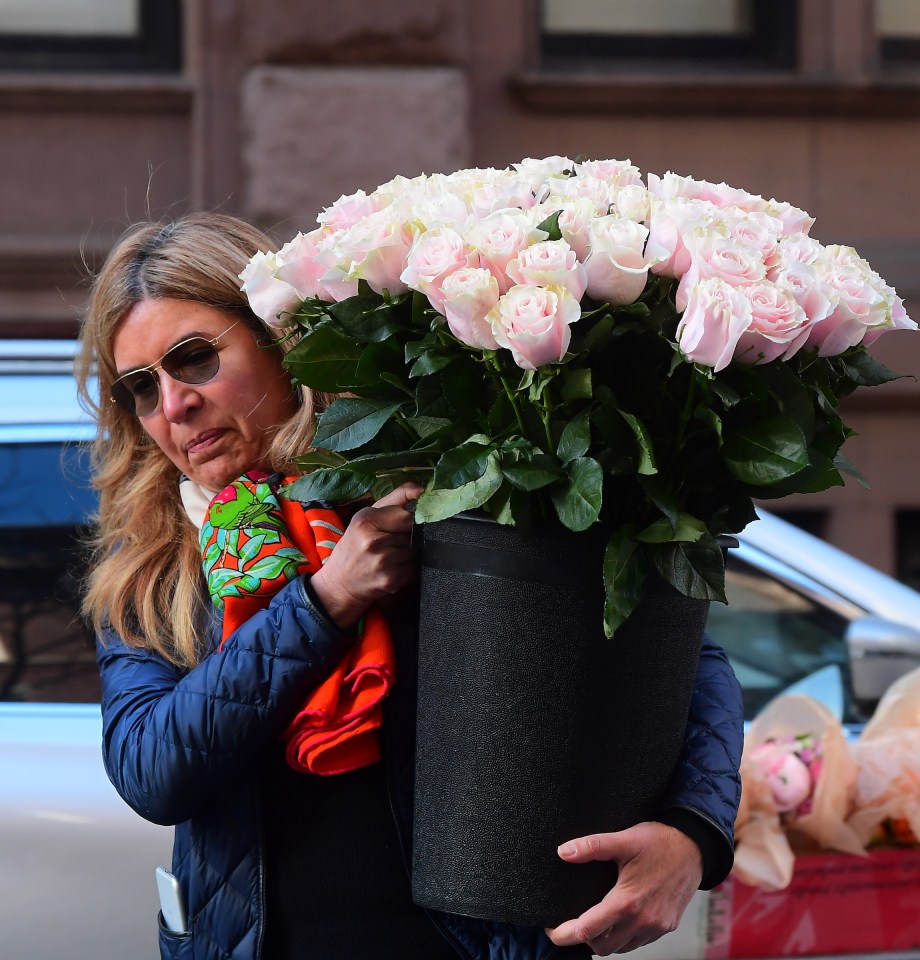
pixel 563 339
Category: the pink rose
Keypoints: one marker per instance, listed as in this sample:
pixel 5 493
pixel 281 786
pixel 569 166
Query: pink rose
pixel 632 202
pixel 792 218
pixel 468 295
pixel 856 302
pixel 548 263
pixel 670 222
pixel 302 266
pixel 533 323
pixel 348 210
pixel 616 268
pixel 270 299
pixel 671 186
pixel 435 255
pixel 778 325
pixel 801 281
pixel 712 255
pixel 375 250
pixel 575 218
pixel 716 316
pixel 619 173
pixel 499 238
pixel 598 191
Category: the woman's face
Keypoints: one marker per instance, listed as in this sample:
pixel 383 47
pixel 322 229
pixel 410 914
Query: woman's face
pixel 215 431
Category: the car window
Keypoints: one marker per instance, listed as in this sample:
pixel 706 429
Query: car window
pixel 776 637
pixel 46 653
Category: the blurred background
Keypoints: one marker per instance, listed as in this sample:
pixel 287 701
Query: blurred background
pixel 115 110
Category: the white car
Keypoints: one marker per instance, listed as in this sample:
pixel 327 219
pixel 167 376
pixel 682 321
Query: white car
pixel 78 878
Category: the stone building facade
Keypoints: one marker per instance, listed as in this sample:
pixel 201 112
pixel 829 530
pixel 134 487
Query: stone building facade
pixel 271 109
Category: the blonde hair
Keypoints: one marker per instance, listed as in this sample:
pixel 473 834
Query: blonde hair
pixel 145 577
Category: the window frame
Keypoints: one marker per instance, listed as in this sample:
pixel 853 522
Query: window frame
pixel 771 45
pixel 156 48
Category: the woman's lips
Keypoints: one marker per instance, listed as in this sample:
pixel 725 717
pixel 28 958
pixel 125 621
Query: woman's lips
pixel 202 440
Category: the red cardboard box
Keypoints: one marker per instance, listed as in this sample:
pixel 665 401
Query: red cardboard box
pixel 836 903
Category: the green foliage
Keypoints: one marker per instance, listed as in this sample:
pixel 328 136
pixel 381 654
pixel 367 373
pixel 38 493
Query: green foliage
pixel 624 431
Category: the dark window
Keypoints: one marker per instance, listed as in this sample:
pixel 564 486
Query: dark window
pixel 104 35
pixel 46 653
pixel 908 547
pixel 897 24
pixel 776 637
pixel 662 35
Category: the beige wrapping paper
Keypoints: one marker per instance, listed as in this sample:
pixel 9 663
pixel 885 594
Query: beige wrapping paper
pixel 887 756
pixel 763 855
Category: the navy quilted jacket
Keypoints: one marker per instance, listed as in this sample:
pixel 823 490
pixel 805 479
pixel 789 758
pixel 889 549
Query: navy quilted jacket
pixel 179 746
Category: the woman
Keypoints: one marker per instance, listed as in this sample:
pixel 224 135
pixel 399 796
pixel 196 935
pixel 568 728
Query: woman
pixel 271 863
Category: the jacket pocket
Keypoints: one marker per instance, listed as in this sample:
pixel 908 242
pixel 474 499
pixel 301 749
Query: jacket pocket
pixel 173 946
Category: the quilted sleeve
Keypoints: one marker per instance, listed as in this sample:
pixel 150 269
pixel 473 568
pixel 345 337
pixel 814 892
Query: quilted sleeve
pixel 705 789
pixel 172 739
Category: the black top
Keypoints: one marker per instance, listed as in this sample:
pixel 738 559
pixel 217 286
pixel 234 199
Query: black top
pixel 336 885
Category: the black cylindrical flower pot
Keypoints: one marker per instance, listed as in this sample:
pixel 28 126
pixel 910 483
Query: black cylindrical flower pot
pixel 534 728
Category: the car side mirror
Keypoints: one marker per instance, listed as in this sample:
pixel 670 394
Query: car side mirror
pixel 880 651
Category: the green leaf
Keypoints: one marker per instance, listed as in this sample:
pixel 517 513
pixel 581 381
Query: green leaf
pixel 578 498
pixel 688 530
pixel 367 317
pixel 429 426
pixel 325 360
pixel 845 465
pixel 434 505
pixel 313 459
pixel 725 393
pixel 337 483
pixel 576 438
pixel 532 473
pixel 625 570
pixel 576 385
pixel 765 452
pixel 865 371
pixel 697 569
pixel 351 422
pixel 269 568
pixel 647 464
pixel 463 464
pixel 550 226
pixel 430 362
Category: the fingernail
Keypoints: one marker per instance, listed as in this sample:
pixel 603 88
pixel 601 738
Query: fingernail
pixel 409 506
pixel 567 850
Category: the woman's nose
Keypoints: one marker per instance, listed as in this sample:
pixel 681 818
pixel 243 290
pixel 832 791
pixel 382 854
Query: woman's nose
pixel 177 398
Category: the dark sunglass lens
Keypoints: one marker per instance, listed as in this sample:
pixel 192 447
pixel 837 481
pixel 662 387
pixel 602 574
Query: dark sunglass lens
pixel 137 393
pixel 194 362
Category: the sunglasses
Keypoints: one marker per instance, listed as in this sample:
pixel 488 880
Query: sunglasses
pixel 195 360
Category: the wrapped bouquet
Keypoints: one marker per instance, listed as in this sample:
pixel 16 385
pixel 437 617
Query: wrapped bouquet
pixel 565 339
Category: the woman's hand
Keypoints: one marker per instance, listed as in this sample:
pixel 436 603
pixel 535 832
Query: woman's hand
pixel 372 560
pixel 660 868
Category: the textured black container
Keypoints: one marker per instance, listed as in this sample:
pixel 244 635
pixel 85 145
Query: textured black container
pixel 534 728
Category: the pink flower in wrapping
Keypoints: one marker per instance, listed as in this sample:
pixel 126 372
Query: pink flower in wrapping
pixel 533 323
pixel 786 773
pixel 468 295
pixel 616 267
pixel 712 255
pixel 547 263
pixel 778 326
pixel 716 317
pixel 434 256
